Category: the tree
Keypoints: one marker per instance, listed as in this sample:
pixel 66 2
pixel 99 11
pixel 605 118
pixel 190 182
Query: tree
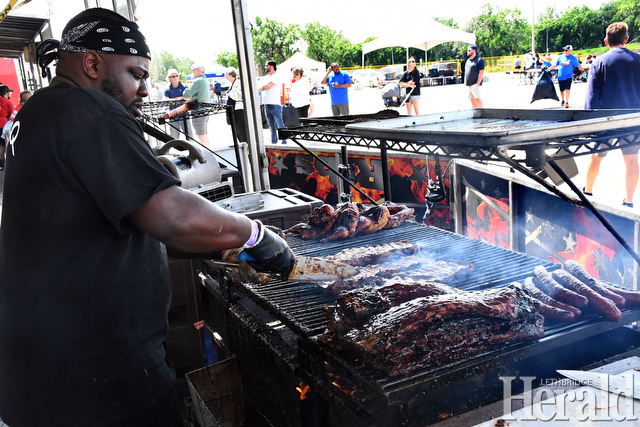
pixel 162 61
pixel 500 32
pixel 273 41
pixel 328 45
pixel 227 59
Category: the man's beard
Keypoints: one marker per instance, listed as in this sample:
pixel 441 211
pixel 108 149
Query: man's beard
pixel 111 87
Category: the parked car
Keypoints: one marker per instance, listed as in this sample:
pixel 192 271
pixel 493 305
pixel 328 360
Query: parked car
pixel 316 86
pixel 367 77
pixel 392 72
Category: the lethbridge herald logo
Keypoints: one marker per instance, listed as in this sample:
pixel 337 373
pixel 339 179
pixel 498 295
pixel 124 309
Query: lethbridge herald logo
pixel 563 402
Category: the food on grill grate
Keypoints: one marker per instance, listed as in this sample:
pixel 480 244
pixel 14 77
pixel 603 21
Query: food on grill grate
pixel 547 284
pixel 350 219
pixel 375 254
pixel 581 274
pixel 601 304
pixel 356 305
pixel 550 308
pixel 432 330
pixel 631 298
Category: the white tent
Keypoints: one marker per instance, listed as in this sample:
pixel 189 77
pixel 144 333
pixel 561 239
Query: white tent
pixel 308 65
pixel 424 36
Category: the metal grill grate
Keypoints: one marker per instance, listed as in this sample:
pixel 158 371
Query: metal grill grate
pixel 301 306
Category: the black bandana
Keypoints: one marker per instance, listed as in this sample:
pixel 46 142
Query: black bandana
pixel 118 37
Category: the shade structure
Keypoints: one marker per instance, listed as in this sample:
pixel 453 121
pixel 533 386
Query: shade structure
pixel 425 36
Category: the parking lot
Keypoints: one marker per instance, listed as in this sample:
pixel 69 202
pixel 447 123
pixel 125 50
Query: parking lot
pixel 500 91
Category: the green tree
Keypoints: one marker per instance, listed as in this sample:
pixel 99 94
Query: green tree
pixel 273 41
pixel 227 59
pixel 162 61
pixel 500 32
pixel 328 45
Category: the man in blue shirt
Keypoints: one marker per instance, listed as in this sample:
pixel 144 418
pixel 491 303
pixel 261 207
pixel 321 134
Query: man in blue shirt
pixel 174 93
pixel 339 84
pixel 565 64
pixel 614 82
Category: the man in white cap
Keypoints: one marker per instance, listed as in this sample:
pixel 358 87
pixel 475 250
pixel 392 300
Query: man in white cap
pixel 199 90
pixel 565 64
pixel 174 93
pixel 6 108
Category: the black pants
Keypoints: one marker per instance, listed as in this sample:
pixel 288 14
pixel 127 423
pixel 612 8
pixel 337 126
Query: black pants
pixel 165 413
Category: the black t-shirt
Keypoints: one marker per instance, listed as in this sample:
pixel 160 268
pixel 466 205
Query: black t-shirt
pixel 415 76
pixel 472 70
pixel 84 295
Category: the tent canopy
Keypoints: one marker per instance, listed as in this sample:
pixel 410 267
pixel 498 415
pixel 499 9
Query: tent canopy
pixel 298 59
pixel 431 33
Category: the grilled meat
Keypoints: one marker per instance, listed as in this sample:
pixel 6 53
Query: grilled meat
pixel 547 284
pixel 372 219
pixel 603 305
pixel 550 308
pixel 367 255
pixel 349 219
pixel 431 330
pixel 581 274
pixel 356 305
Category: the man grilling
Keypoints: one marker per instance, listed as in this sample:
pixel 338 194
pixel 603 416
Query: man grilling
pixel 88 217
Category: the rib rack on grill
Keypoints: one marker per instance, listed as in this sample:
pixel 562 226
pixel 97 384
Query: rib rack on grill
pixel 432 330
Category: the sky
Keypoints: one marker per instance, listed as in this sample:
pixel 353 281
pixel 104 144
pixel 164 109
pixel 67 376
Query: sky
pixel 200 29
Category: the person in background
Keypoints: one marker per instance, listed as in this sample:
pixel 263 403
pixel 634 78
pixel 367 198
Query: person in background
pixel 199 90
pixel 299 96
pixel 235 103
pixel 338 83
pixel 157 95
pixel 614 82
pixel 411 79
pixel 529 63
pixel 517 63
pixel 24 96
pixel 474 73
pixel 89 217
pixel 217 89
pixel 6 108
pixel 270 86
pixel 564 64
pixel 174 93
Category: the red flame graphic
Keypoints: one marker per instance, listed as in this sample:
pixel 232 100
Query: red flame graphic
pixel 489 225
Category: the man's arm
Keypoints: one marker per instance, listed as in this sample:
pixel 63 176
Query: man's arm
pixel 324 81
pixel 188 223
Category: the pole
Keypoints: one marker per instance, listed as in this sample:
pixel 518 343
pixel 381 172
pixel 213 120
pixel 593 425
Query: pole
pixel 533 25
pixel 257 153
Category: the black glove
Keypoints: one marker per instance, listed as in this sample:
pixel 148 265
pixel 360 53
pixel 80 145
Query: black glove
pixel 270 254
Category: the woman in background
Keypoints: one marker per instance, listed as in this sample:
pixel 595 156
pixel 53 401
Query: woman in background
pixel 411 79
pixel 299 96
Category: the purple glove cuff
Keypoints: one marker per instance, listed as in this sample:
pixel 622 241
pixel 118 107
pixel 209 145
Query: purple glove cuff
pixel 256 234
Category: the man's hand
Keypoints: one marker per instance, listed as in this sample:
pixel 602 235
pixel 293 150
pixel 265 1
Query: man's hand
pixel 270 254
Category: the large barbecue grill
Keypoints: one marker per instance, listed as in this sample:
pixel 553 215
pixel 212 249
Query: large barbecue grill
pixel 274 329
pixel 290 317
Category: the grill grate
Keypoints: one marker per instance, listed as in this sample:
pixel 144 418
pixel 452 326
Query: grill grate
pixel 301 305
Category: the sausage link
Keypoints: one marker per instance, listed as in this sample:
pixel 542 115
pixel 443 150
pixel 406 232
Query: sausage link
pixel 631 297
pixel 547 309
pixel 546 299
pixel 601 304
pixel 545 282
pixel 581 274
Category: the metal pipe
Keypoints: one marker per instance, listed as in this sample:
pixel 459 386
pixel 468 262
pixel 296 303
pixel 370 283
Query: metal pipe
pixel 386 177
pixel 332 169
